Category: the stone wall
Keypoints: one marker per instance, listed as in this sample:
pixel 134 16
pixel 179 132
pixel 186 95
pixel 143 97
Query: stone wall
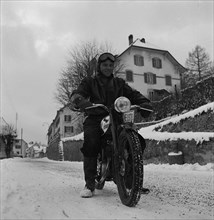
pixel 53 149
pixel 72 150
pixel 157 151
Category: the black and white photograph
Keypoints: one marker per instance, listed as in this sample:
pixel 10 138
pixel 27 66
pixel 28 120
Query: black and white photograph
pixel 107 109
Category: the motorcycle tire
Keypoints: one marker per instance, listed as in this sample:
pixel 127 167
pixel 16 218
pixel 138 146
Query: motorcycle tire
pixel 129 168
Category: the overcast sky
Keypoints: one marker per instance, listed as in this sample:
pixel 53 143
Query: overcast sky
pixel 36 36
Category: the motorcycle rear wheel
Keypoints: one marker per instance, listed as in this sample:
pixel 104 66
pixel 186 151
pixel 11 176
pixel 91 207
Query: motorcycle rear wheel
pixel 129 172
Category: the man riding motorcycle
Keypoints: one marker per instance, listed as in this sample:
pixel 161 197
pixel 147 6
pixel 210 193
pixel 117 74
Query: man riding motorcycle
pixel 103 88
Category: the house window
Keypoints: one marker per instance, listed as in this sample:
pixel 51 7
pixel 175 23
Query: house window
pixel 129 76
pixel 168 80
pixel 18 146
pixel 67 118
pixel 151 95
pixel 69 129
pixel 150 78
pixel 138 60
pixel 156 63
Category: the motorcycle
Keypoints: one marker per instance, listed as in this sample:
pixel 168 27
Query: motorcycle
pixel 121 157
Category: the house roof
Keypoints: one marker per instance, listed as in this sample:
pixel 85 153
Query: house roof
pixel 139 43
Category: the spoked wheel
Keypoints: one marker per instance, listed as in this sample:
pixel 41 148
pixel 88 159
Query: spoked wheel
pixel 129 173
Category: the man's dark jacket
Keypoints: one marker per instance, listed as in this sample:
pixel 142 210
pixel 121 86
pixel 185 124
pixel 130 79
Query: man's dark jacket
pixel 103 90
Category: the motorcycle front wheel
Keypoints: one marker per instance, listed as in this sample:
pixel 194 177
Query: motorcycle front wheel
pixel 129 168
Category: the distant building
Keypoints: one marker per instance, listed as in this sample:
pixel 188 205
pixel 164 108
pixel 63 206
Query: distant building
pixel 151 70
pixel 67 123
pixel 19 147
pixel 36 150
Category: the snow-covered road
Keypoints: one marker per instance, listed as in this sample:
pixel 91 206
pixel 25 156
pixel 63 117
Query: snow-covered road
pixel 46 189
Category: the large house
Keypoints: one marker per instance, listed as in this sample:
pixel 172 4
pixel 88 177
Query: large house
pixel 66 124
pixel 151 70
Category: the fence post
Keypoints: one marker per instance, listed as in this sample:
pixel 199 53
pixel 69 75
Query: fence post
pixel 61 151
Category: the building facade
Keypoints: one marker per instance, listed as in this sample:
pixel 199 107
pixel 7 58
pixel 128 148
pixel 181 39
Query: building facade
pixel 19 148
pixel 151 70
pixel 66 124
pixel 36 150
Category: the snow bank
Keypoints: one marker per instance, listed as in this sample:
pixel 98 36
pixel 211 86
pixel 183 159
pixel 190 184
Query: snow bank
pixel 191 114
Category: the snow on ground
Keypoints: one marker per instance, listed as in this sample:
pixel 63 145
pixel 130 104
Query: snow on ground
pixel 46 189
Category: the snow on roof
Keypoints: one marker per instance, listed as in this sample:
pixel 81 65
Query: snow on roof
pixel 37 147
pixel 145 44
pixel 150 133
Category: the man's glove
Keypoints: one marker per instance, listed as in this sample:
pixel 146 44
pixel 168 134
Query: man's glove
pixel 144 113
pixel 80 102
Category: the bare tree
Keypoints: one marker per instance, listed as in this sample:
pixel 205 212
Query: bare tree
pixel 81 63
pixel 198 62
pixel 8 136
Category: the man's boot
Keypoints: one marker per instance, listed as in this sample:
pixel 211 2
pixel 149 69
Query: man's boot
pixel 90 169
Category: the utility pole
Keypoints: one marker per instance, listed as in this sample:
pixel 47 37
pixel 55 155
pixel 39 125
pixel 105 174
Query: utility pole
pixel 21 139
pixel 16 122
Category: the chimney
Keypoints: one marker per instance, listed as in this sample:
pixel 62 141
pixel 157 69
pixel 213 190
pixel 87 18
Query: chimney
pixel 130 39
pixel 143 40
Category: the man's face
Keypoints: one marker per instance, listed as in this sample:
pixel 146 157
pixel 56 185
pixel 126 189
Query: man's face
pixel 107 68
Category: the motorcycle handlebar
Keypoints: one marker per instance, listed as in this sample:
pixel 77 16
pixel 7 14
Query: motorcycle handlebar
pixel 138 107
pixel 96 106
pixel 141 108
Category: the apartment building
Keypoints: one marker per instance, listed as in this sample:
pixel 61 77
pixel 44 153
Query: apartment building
pixel 67 123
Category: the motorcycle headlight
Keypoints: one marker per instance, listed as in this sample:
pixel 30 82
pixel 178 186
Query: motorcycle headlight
pixel 122 104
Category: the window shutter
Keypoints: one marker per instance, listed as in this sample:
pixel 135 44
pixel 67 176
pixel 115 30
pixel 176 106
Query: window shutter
pixel 129 76
pixel 145 77
pixel 135 60
pixel 168 80
pixel 153 62
pixel 154 79
pixel 141 61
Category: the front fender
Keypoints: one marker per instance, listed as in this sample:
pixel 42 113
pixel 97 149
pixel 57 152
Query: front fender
pixel 125 129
